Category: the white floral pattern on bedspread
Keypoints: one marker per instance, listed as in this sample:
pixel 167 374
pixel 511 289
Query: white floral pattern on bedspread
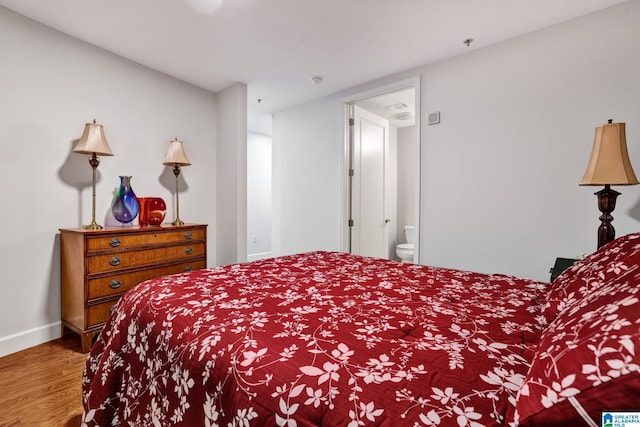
pixel 317 339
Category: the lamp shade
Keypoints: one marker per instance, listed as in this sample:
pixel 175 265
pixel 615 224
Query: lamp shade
pixel 609 163
pixel 93 141
pixel 176 155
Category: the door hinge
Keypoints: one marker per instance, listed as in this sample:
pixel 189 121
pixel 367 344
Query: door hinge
pixel 350 223
pixel 352 122
pixel 351 172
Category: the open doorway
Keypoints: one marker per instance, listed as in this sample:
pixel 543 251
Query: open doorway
pixel 259 185
pixel 383 172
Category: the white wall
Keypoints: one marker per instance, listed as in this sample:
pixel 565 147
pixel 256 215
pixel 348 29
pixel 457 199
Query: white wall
pixel 500 173
pixel 259 122
pixel 391 193
pixel 501 170
pixel 231 179
pixel 50 86
pixel 307 178
pixel 259 216
pixel 406 179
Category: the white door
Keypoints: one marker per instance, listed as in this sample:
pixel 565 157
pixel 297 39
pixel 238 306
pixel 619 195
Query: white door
pixel 370 150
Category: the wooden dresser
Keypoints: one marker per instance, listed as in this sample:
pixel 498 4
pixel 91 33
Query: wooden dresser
pixel 98 266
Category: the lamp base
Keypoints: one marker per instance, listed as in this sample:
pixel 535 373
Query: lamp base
pixel 93 226
pixel 94 161
pixel 606 205
pixel 177 222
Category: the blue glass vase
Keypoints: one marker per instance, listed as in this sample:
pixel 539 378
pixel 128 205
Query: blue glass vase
pixel 125 206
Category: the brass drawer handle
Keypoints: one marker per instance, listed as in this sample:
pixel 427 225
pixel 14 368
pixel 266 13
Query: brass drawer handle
pixel 188 268
pixel 188 235
pixel 115 242
pixel 188 251
pixel 115 284
pixel 115 261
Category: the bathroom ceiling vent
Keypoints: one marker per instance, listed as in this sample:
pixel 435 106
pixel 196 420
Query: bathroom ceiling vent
pixel 396 107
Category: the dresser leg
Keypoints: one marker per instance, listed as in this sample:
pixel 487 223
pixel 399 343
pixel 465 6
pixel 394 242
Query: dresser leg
pixel 64 331
pixel 86 341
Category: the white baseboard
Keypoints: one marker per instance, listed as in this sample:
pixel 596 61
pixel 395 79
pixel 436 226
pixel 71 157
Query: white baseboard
pixel 262 255
pixel 29 338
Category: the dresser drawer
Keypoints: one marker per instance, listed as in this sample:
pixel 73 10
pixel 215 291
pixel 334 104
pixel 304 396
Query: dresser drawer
pixel 99 313
pixel 123 260
pixel 120 283
pixel 126 240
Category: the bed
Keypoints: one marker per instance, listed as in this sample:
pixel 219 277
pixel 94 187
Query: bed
pixel 332 339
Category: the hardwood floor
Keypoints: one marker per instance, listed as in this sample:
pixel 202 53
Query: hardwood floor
pixel 42 386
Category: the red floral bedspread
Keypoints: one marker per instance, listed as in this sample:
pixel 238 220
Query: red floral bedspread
pixel 317 339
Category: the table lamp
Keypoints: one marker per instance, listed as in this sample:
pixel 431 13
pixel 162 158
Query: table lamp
pixel 176 157
pixel 609 165
pixel 94 143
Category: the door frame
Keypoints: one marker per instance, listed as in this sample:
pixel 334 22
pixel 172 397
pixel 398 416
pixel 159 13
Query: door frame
pixel 413 82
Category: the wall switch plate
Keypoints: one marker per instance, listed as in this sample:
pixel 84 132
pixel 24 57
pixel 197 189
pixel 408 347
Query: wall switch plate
pixel 434 118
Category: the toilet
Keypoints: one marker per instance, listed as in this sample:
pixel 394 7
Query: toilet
pixel 405 250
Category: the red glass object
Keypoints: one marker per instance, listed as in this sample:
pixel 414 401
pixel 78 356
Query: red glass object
pixel 152 211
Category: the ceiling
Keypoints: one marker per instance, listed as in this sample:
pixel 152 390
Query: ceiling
pixel 277 46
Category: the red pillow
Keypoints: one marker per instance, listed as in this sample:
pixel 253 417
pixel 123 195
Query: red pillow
pixel 588 358
pixel 608 262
